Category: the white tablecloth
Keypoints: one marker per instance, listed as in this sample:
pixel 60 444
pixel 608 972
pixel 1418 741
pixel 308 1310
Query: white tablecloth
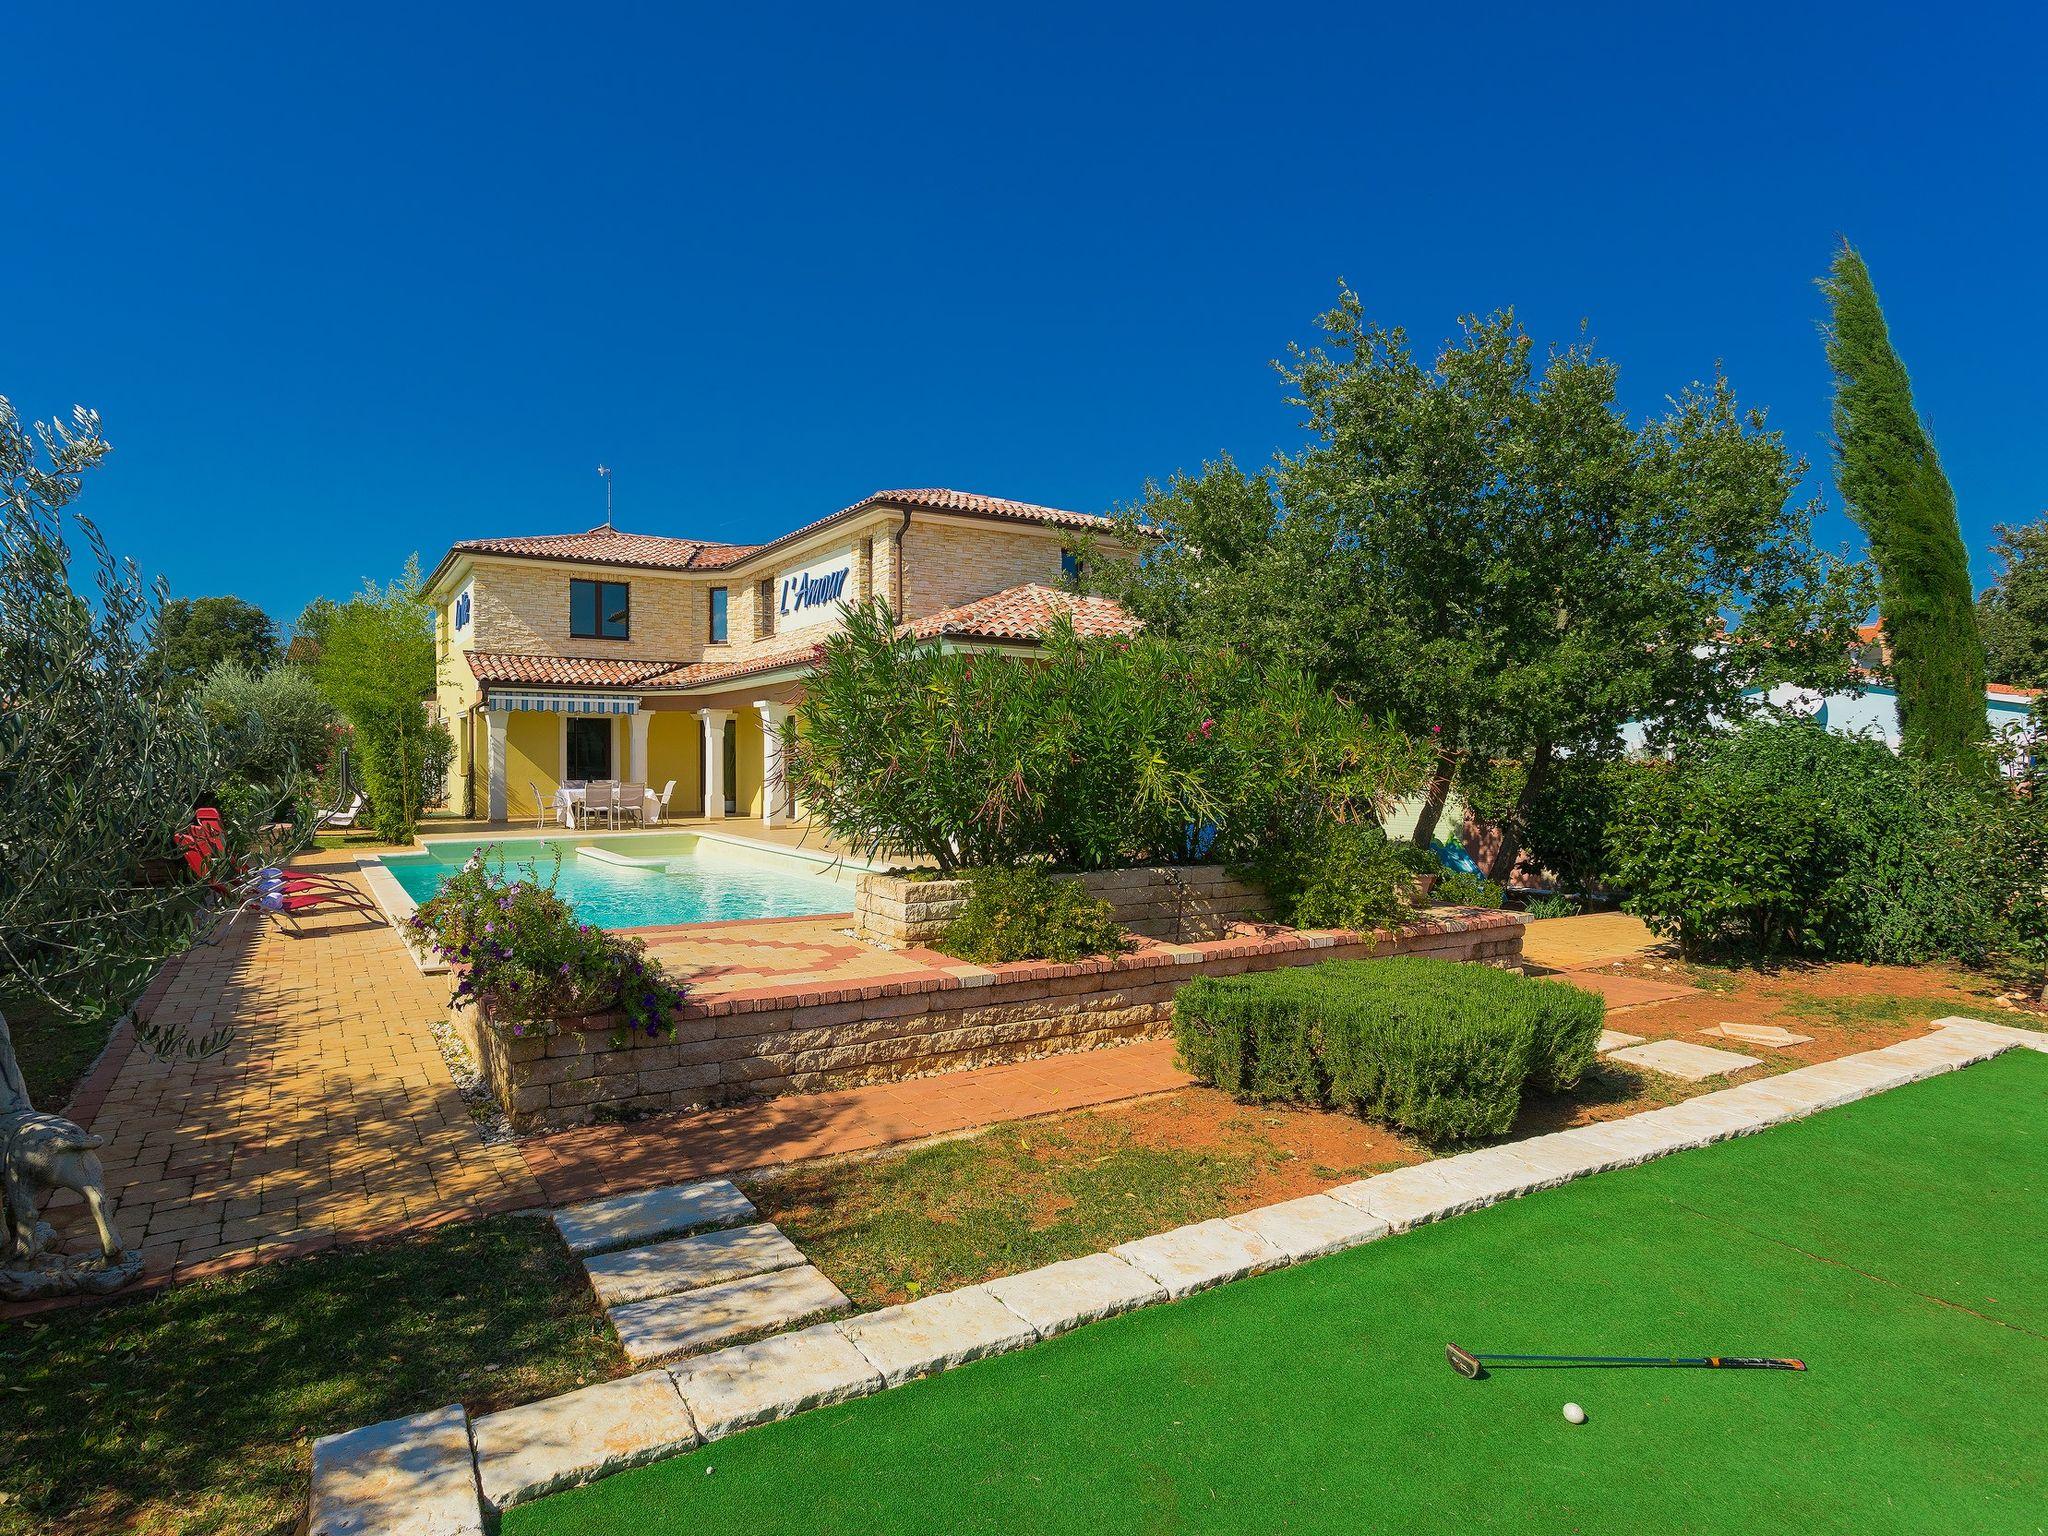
pixel 569 804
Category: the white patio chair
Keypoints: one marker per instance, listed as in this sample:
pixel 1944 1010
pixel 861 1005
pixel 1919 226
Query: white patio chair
pixel 633 803
pixel 660 806
pixel 540 806
pixel 601 799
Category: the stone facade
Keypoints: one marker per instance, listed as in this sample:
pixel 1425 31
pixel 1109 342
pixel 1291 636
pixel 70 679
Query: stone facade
pixel 807 1041
pixel 1177 903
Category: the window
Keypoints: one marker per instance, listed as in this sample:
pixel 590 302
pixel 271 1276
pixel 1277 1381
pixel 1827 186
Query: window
pixel 588 740
pixel 600 610
pixel 718 615
pixel 462 610
pixel 1070 565
pixel 764 608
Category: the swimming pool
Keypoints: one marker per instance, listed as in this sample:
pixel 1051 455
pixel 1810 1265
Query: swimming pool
pixel 647 879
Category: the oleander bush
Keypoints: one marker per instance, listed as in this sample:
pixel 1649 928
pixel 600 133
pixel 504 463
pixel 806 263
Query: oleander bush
pixel 1440 1048
pixel 528 962
pixel 1092 754
pixel 1025 914
pixel 1781 840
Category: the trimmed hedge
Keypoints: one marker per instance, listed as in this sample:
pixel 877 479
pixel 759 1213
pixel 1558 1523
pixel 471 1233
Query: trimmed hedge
pixel 1438 1047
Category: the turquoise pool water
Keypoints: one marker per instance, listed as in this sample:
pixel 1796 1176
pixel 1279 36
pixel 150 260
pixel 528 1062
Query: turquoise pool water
pixel 674 879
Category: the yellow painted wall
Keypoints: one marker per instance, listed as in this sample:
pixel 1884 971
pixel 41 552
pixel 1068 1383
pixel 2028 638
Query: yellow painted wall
pixel 533 758
pixel 675 751
pixel 746 789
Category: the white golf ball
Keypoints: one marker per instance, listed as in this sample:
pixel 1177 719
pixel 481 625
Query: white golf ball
pixel 1574 1413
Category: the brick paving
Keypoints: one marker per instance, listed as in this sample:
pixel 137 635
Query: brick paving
pixel 330 1116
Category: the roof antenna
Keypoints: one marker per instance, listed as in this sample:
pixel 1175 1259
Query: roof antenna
pixel 606 474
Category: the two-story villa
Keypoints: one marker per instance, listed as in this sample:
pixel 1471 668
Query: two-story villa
pixel 651 658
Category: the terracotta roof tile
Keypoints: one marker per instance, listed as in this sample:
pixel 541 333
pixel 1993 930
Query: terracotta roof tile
pixel 1019 614
pixel 1027 613
pixel 610 546
pixel 562 671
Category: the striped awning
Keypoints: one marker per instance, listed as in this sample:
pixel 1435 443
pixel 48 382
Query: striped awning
pixel 562 703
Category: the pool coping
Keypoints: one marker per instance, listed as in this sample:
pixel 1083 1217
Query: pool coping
pixel 827 1363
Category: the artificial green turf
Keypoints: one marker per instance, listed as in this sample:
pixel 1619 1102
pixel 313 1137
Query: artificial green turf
pixel 1869 1241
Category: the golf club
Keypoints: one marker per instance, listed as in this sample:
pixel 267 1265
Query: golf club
pixel 1473 1366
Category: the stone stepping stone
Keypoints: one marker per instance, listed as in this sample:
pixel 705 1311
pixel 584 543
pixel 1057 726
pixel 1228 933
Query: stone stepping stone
pixel 681 1325
pixel 404 1477
pixel 1681 1058
pixel 1614 1040
pixel 561 1442
pixel 689 1263
pixel 1757 1034
pixel 936 1333
pixel 769 1379
pixel 627 1219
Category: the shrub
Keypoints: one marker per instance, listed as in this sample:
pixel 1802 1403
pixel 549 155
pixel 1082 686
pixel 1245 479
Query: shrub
pixel 1437 1047
pixel 269 727
pixel 1334 874
pixel 1783 839
pixel 1554 906
pixel 528 962
pixel 1462 888
pixel 1026 914
pixel 1093 754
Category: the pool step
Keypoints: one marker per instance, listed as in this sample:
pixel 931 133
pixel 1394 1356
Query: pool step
pixel 690 1263
pixel 667 1326
pixel 624 1220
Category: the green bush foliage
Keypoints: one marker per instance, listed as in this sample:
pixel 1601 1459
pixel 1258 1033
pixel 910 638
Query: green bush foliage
pixel 1554 906
pixel 1439 1048
pixel 527 960
pixel 1787 840
pixel 1093 754
pixel 1335 874
pixel 1461 888
pixel 273 730
pixel 1026 914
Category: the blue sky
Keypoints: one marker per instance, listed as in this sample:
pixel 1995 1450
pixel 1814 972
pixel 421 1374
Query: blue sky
pixel 351 283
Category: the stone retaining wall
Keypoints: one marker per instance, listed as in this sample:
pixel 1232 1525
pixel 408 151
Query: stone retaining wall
pixel 806 1041
pixel 1178 903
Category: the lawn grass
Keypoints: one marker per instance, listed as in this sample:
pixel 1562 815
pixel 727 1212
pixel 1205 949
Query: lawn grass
pixel 194 1410
pixel 54 1051
pixel 948 1214
pixel 1894 1244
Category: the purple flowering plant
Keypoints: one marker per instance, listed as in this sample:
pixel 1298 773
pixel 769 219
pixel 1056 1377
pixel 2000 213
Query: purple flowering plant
pixel 521 953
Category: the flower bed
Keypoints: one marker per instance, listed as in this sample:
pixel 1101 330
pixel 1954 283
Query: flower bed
pixel 1177 903
pixel 808 1038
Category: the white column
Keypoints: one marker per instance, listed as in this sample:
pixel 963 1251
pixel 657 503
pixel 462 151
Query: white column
pixel 774 786
pixel 636 751
pixel 495 721
pixel 714 761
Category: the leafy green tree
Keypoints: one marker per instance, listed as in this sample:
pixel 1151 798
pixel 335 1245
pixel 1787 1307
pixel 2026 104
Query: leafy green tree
pixel 270 728
pixel 1895 489
pixel 2012 615
pixel 309 632
pixel 101 759
pixel 376 662
pixel 1486 550
pixel 196 634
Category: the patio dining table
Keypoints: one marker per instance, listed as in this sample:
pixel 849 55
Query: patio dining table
pixel 569 803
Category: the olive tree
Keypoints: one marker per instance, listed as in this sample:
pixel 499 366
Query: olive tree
pixel 101 759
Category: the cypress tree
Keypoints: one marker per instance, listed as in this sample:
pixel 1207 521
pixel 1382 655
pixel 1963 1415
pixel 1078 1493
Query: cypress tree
pixel 1894 486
